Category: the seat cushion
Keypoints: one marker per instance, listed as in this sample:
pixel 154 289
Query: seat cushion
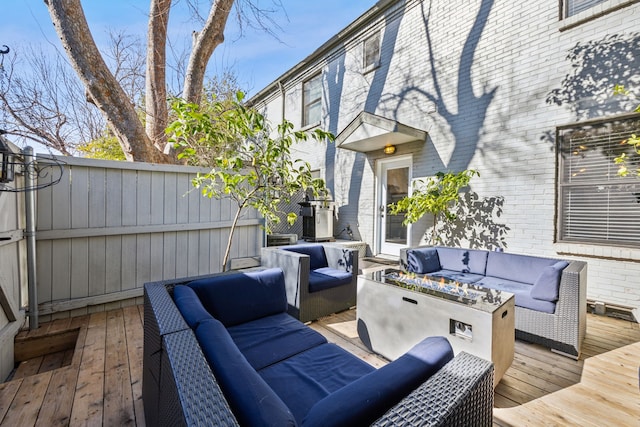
pixel 369 397
pixel 273 338
pixel 327 277
pixel 190 306
pixel 547 285
pixel 317 257
pixel 522 292
pixel 456 276
pixel 465 260
pixel 241 297
pixel 423 260
pixel 252 401
pixel 306 378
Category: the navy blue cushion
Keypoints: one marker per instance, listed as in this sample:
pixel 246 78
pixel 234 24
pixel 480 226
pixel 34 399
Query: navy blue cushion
pixel 522 292
pixel 190 306
pixel 547 285
pixel 252 401
pixel 464 260
pixel 516 267
pixel 273 338
pixel 368 398
pixel 327 277
pixel 241 297
pixel 423 260
pixel 303 380
pixel 317 257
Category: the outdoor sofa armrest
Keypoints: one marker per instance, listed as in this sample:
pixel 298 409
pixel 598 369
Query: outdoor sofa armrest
pixel 176 376
pixel 459 394
pixel 571 308
pixel 296 268
pixel 573 289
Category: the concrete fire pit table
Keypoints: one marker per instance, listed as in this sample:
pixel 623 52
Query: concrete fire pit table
pixel 396 310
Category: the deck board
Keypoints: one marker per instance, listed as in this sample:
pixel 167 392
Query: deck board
pixel 88 403
pixel 102 382
pixel 118 400
pixel 28 400
pixel 134 335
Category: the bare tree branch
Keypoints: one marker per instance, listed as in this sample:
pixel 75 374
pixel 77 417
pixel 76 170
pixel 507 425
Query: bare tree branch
pixel 73 30
pixel 44 103
pixel 205 42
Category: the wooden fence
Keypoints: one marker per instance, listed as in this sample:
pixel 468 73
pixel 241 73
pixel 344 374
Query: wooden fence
pixel 108 227
pixel 13 267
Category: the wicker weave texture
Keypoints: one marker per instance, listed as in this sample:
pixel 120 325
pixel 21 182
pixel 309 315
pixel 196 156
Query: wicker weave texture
pixel 159 317
pixel 565 329
pixel 199 399
pixel 460 394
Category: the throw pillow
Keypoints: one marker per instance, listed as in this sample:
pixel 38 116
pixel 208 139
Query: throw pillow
pixel 547 286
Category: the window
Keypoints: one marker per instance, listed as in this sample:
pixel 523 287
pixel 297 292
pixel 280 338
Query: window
pixel 312 100
pixel 371 51
pixel 573 7
pixel 595 204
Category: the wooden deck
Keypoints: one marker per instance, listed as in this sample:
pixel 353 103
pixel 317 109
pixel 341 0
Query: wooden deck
pixel 100 382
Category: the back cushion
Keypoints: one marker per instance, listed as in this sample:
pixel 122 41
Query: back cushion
pixel 318 258
pixel 547 285
pixel 368 398
pixel 423 260
pixel 519 268
pixel 252 401
pixel 464 260
pixel 241 297
pixel 190 306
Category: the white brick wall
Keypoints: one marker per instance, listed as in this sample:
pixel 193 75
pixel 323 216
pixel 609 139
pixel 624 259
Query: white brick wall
pixel 519 57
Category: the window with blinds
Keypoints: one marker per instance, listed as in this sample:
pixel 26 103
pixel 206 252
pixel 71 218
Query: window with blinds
pixel 573 7
pixel 595 204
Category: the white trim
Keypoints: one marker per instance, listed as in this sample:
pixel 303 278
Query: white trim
pixel 592 13
pixel 377 240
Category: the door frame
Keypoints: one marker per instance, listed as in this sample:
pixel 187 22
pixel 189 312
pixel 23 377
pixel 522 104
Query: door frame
pixel 407 161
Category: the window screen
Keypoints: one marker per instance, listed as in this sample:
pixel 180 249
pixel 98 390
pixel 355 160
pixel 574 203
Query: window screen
pixel 312 100
pixel 372 51
pixel 595 204
pixel 573 7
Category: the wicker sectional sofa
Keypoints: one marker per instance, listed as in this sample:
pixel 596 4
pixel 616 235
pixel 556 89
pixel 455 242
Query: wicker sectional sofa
pixel 550 294
pixel 221 350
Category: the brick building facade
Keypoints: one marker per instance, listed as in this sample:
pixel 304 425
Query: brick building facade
pixel 506 88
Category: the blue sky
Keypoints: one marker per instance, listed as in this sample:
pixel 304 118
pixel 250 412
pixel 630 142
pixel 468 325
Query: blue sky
pixel 257 58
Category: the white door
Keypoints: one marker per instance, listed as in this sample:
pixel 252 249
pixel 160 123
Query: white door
pixel 394 177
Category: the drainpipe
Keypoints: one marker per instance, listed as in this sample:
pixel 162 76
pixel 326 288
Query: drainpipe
pixel 283 92
pixel 30 233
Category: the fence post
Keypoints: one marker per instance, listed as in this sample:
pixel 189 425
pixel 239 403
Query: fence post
pixel 30 233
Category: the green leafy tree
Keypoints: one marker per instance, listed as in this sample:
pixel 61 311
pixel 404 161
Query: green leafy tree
pixel 437 196
pixel 256 169
pixel 633 140
pixel 107 147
